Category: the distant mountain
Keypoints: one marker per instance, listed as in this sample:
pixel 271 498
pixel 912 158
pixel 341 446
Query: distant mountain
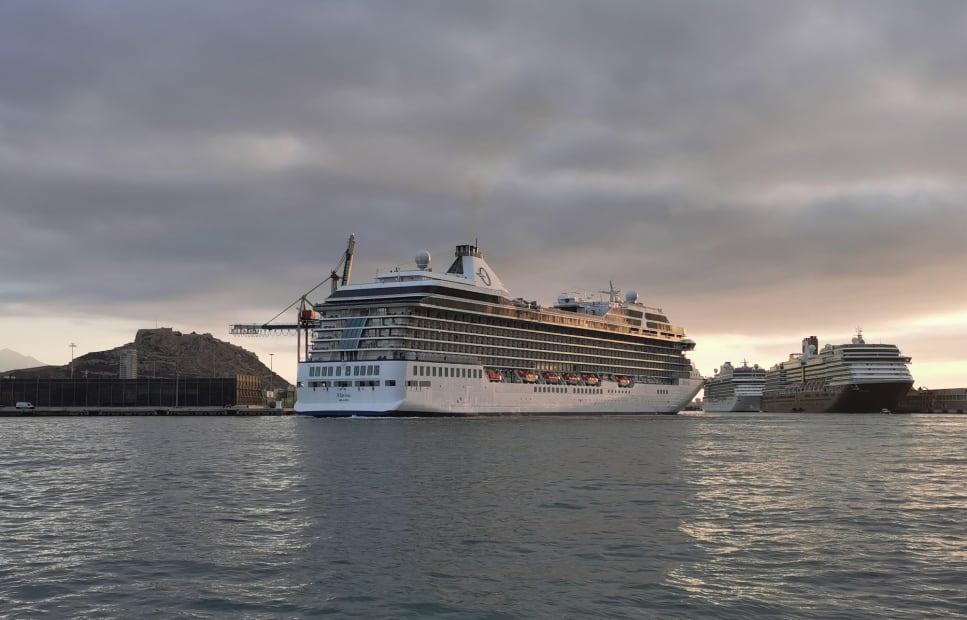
pixel 9 360
pixel 163 353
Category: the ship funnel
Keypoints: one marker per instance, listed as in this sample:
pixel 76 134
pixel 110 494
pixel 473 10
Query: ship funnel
pixel 809 346
pixel 470 264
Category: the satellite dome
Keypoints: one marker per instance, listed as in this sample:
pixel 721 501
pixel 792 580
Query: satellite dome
pixel 631 296
pixel 422 259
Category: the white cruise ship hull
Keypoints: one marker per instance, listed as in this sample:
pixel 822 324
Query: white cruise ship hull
pixel 397 392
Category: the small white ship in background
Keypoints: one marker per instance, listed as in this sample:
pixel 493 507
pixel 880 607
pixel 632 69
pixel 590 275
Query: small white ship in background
pixel 735 388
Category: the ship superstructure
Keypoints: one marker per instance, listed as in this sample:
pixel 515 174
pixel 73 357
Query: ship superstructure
pixel 735 388
pixel 858 377
pixel 420 342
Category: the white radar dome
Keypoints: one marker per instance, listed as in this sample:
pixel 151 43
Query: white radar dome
pixel 631 296
pixel 422 259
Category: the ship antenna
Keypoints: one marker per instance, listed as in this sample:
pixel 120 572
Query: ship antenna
pixel 612 291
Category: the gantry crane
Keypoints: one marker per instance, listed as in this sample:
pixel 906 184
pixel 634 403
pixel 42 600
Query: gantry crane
pixel 306 316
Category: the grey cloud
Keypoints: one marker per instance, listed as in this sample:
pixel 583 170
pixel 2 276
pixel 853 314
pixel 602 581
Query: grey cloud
pixel 702 152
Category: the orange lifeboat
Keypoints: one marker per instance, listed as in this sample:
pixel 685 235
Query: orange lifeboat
pixel 623 381
pixel 590 379
pixel 494 375
pixel 572 378
pixel 551 377
pixel 527 376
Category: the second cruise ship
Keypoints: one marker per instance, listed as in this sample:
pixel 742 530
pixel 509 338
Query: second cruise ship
pixel 735 388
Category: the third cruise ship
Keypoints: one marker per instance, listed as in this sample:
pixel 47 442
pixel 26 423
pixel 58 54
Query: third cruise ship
pixel 845 378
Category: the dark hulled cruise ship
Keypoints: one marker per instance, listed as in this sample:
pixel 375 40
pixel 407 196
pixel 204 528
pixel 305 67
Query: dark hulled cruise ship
pixel 846 378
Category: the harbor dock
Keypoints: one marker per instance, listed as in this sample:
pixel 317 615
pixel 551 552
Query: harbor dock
pixel 50 412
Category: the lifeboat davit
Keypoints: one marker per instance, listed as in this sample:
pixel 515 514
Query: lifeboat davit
pixel 623 381
pixel 527 376
pixel 494 375
pixel 590 379
pixel 551 377
pixel 572 378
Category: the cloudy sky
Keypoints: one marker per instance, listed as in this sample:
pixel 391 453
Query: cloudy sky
pixel 763 171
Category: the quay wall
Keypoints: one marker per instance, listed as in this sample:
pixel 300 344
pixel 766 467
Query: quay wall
pixel 51 412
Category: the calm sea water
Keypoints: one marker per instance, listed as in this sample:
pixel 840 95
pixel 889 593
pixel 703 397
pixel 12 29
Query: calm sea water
pixel 692 516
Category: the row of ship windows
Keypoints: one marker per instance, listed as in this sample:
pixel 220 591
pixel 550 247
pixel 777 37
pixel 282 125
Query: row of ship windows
pixel 509 316
pixel 370 370
pixel 459 325
pixel 447 371
pixel 511 350
pixel 667 362
pixel 582 356
pixel 843 369
pixel 476 313
pixel 544 389
pixel 346 384
pixel 519 338
pixel 548 389
pixel 425 384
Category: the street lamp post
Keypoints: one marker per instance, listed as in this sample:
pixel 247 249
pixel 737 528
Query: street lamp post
pixel 72 346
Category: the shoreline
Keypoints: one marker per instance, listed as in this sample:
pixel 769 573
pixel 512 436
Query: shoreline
pixel 51 412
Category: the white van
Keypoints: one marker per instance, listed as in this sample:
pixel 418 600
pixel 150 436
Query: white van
pixel 24 405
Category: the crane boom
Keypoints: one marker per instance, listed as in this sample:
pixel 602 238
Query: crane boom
pixel 348 267
pixel 306 317
pixel 346 263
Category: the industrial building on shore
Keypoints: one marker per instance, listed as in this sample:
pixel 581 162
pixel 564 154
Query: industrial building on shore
pixel 140 392
pixel 947 400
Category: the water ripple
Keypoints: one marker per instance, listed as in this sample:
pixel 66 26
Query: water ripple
pixel 700 516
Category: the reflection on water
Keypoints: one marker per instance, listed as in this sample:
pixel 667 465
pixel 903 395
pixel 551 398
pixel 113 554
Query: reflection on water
pixel 806 516
pixel 466 516
pixel 100 509
pixel 727 516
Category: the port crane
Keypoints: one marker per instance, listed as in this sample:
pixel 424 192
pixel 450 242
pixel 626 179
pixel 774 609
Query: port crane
pixel 306 317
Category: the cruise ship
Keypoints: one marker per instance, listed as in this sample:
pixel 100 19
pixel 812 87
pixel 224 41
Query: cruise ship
pixel 423 342
pixel 735 388
pixel 845 378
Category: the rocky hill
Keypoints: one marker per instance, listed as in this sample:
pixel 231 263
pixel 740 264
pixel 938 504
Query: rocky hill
pixel 163 352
